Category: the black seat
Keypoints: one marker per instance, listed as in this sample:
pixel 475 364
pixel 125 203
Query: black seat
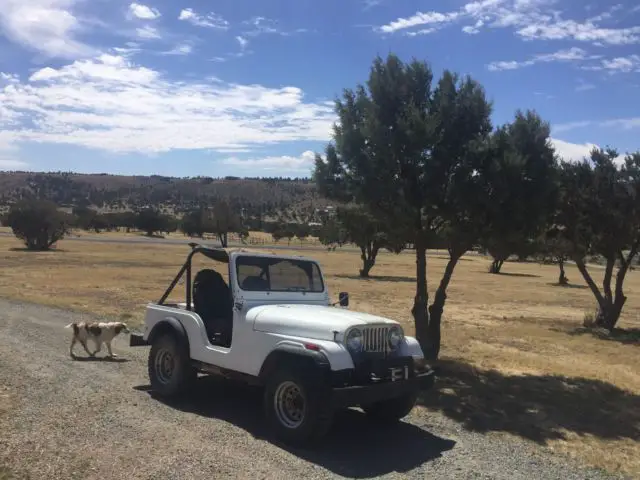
pixel 255 284
pixel 213 303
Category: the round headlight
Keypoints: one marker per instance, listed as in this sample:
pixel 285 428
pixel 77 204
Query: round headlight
pixel 395 337
pixel 354 340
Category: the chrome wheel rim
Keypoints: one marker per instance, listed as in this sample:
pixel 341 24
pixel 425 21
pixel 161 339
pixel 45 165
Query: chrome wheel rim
pixel 290 404
pixel 164 365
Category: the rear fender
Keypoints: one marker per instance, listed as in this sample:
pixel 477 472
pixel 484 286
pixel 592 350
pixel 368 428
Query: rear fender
pixel 171 326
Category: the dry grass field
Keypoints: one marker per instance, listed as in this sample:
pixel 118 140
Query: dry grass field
pixel 515 359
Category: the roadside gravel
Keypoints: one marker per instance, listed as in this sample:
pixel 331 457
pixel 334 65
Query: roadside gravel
pixel 65 419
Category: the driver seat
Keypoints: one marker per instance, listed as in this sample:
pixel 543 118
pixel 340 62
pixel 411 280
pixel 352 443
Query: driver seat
pixel 213 303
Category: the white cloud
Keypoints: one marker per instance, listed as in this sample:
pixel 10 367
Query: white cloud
pixel 45 26
pixel 624 123
pixel 303 163
pixel 564 127
pixel 147 32
pixel 572 151
pixel 530 19
pixel 266 26
pixel 622 64
pixel 367 4
pixel 183 49
pixel 242 41
pixel 570 55
pixel 584 86
pixel 419 19
pixel 424 31
pixel 143 12
pixel 111 104
pixel 473 29
pixel 210 20
pixel 583 32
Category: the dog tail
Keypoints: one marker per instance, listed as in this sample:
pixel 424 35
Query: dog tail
pixel 70 325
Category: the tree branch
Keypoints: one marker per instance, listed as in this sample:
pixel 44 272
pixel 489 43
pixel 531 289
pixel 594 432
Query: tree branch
pixel 606 281
pixel 587 278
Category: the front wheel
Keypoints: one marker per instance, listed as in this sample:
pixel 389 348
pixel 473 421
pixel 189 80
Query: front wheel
pixel 170 372
pixel 392 410
pixel 296 408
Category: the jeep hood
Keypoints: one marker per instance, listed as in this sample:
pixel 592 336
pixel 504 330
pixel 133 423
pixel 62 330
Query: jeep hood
pixel 310 321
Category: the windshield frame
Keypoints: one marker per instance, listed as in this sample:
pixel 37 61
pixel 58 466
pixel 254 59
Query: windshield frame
pixel 269 261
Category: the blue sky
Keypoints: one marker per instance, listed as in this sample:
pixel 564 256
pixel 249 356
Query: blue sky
pixel 246 87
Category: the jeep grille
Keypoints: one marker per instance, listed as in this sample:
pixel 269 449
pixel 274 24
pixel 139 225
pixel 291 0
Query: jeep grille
pixel 374 339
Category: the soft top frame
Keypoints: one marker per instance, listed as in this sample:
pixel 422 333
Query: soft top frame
pixel 217 254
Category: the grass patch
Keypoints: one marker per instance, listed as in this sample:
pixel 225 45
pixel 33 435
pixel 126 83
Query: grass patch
pixel 514 362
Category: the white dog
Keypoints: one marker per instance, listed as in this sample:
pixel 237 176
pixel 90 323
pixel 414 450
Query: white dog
pixel 98 332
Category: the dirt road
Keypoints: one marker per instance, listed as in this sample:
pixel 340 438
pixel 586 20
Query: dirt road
pixel 65 419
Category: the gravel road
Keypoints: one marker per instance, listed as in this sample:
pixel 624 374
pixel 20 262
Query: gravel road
pixel 65 419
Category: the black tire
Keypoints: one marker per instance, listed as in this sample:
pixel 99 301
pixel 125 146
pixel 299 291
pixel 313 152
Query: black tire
pixel 316 417
pixel 389 411
pixel 176 376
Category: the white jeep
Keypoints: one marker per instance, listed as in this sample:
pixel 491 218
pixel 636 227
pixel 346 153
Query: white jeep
pixel 273 325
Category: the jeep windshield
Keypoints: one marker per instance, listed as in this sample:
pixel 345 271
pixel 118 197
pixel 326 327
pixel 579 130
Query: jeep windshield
pixel 267 274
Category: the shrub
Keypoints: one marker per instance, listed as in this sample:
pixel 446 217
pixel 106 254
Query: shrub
pixel 38 223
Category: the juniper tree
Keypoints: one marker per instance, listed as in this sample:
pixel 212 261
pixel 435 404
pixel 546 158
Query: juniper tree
pixel 410 150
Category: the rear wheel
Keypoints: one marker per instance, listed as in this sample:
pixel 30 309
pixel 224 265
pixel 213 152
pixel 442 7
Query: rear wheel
pixel 170 371
pixel 296 407
pixel 392 410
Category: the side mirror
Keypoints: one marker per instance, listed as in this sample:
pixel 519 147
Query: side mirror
pixel 343 299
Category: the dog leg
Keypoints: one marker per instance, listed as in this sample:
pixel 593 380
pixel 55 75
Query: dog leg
pixel 98 347
pixel 111 354
pixel 84 344
pixel 73 343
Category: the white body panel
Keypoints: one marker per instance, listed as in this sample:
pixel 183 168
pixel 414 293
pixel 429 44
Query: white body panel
pixel 262 321
pixel 313 321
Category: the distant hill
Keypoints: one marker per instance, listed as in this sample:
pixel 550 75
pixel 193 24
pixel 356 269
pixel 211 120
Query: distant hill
pixel 265 197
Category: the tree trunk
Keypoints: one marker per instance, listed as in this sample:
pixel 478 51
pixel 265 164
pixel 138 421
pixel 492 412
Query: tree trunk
pixel 223 238
pixel 562 279
pixel 611 303
pixel 496 265
pixel 368 256
pixel 420 303
pixel 437 308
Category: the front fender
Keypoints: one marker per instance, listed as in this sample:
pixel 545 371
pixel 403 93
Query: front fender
pixel 336 354
pixel 411 348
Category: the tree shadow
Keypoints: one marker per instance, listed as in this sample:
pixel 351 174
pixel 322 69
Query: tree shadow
pixel 538 408
pixel 25 249
pixel 512 274
pixel 100 359
pixel 355 447
pixel 627 336
pixel 568 285
pixel 382 278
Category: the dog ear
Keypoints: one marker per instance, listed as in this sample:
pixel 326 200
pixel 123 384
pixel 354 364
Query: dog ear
pixel 121 327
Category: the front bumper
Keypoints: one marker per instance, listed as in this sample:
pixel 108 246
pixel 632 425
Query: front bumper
pixel 343 397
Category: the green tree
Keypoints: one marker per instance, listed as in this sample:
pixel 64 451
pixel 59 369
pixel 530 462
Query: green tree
pixel 197 222
pixel 369 234
pixel 38 223
pixel 332 233
pixel 225 220
pixel 599 214
pixel 410 151
pixel 521 197
pixel 554 248
pixel 83 217
pixel 151 220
